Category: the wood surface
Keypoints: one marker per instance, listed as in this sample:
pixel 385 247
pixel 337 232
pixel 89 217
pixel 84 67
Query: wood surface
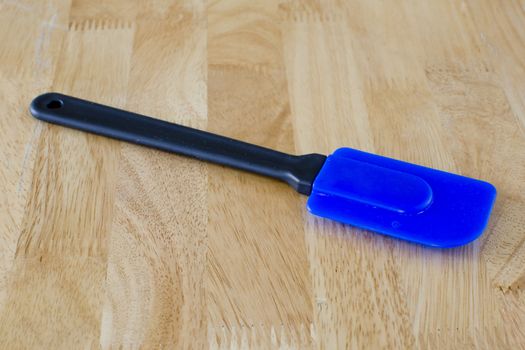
pixel 110 245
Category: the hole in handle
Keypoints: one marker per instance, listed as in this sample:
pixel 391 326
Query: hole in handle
pixel 54 104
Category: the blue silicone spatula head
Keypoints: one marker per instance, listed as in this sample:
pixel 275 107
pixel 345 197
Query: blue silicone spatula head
pixel 400 199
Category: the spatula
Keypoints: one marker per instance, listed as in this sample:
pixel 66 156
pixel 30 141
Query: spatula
pixel 392 197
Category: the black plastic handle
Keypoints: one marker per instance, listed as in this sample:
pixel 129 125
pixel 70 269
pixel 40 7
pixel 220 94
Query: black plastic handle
pixel 298 171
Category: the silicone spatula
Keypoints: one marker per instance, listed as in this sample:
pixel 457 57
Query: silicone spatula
pixel 392 197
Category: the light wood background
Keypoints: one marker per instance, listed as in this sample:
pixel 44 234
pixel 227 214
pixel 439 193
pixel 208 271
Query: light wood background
pixel 109 245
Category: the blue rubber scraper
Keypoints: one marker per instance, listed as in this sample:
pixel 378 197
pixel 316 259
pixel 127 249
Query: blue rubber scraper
pixel 395 198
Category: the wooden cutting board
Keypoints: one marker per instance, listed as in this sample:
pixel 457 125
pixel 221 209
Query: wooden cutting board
pixel 109 245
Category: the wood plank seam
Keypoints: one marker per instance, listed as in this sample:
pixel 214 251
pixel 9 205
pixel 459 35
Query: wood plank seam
pixel 100 24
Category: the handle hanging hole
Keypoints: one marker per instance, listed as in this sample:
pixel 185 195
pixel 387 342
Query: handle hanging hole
pixel 54 104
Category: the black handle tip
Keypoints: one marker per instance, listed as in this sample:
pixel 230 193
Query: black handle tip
pixel 43 104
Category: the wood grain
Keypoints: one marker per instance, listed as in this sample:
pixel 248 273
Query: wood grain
pixel 258 282
pixel 155 290
pixel 110 245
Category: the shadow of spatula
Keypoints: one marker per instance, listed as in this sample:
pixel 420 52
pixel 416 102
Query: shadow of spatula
pixel 396 198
